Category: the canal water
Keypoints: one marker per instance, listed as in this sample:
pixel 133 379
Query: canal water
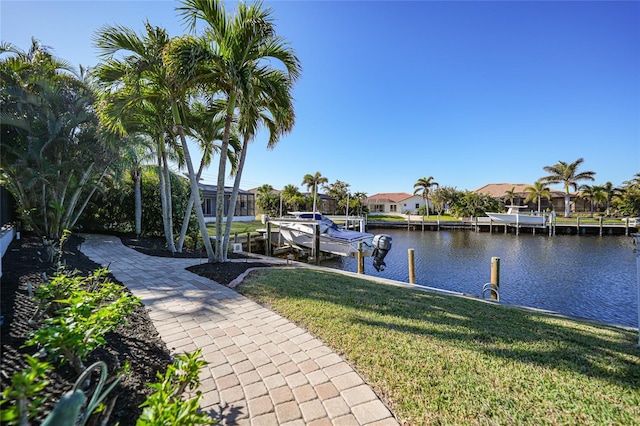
pixel 584 276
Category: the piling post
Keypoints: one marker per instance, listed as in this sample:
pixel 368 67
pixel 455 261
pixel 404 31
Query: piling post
pixel 495 277
pixel 248 242
pixel 600 219
pixel 360 259
pixel 316 244
pixel 267 248
pixel 412 269
pixel 578 226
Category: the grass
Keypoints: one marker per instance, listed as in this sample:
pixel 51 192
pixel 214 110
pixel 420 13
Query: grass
pixel 239 227
pixel 439 359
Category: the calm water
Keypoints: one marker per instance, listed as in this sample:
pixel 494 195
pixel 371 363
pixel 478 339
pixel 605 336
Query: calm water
pixel 584 276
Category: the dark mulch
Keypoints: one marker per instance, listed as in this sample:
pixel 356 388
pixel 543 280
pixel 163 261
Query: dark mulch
pixel 223 273
pixel 137 342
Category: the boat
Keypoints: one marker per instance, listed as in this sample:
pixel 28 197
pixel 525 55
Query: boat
pixel 514 217
pixel 299 228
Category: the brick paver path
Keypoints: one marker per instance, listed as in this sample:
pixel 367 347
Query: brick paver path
pixel 263 369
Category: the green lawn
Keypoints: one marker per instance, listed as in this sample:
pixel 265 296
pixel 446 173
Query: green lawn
pixel 439 359
pixel 239 227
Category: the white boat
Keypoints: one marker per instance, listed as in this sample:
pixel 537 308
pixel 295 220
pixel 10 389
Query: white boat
pixel 299 231
pixel 513 217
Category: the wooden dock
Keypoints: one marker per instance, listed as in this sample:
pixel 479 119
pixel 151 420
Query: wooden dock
pixel 579 226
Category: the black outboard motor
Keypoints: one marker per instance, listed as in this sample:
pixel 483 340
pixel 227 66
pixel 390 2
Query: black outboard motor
pixel 381 246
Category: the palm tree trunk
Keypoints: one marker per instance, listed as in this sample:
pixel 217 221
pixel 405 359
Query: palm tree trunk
pixel 86 200
pixel 171 245
pixel 195 191
pixel 221 174
pixel 567 202
pixel 137 190
pixel 163 198
pixel 187 213
pixel 234 193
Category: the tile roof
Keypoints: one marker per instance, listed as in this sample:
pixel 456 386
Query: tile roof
pixel 499 190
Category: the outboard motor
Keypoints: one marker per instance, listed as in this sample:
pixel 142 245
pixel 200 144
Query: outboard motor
pixel 381 246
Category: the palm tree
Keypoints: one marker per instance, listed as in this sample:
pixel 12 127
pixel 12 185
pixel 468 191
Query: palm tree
pixel 312 181
pixel 422 187
pixel 152 66
pixel 511 195
pixel 206 127
pixel 243 46
pixel 272 107
pixel 292 197
pixel 357 200
pixel 567 174
pixel 610 192
pixel 536 192
pixel 592 193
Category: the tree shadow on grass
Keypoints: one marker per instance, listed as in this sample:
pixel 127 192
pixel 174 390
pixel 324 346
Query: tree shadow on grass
pixel 594 350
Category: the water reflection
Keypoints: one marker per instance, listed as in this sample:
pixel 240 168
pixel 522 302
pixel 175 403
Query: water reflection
pixel 585 276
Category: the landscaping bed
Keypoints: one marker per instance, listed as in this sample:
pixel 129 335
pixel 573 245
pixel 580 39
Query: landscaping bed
pixel 137 342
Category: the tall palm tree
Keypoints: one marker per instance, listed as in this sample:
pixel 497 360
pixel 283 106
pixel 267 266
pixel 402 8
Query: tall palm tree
pixel 536 192
pixel 243 46
pixel 422 187
pixel 567 174
pixel 271 106
pixel 151 66
pixel 312 181
pixel 610 192
pixel 206 127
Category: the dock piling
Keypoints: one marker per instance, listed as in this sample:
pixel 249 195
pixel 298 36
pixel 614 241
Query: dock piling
pixel 412 267
pixel 495 277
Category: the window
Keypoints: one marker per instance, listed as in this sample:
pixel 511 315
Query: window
pixel 393 208
pixel 417 205
pixel 208 206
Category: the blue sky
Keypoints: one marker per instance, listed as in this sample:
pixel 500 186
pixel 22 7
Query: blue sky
pixel 467 92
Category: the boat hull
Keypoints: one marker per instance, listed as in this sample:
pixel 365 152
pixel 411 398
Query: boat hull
pixel 304 239
pixel 516 219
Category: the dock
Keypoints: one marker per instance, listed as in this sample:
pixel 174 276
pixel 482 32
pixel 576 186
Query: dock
pixel 576 226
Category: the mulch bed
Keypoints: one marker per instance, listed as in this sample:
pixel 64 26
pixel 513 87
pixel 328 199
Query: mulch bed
pixel 137 342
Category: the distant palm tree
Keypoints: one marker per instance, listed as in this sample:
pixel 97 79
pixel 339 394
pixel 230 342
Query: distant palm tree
pixel 291 196
pixel 610 192
pixel 511 195
pixel 536 192
pixel 357 200
pixel 567 174
pixel 594 194
pixel 422 187
pixel 312 181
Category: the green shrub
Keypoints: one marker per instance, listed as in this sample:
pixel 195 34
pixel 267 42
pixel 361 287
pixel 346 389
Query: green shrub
pixel 26 391
pixel 79 325
pixel 166 406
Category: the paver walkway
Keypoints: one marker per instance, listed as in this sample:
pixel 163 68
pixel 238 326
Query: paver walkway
pixel 263 369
